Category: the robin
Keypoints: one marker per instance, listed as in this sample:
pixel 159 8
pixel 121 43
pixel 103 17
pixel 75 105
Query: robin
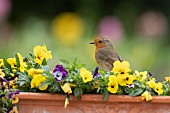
pixel 105 54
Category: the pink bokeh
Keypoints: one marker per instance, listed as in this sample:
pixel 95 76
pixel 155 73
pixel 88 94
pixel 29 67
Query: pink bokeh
pixel 152 25
pixel 5 7
pixel 110 27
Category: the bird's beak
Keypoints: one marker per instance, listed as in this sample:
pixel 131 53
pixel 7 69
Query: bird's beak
pixel 92 43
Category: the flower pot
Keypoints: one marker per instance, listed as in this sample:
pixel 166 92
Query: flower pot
pixel 91 103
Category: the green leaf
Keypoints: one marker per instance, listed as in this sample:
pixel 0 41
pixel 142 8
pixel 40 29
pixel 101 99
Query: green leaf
pixel 6 64
pixel 82 65
pixel 21 83
pixel 54 88
pixel 105 95
pixel 77 92
pixel 17 60
pixel 136 92
pixel 23 79
pixel 31 55
pixel 44 62
pixel 63 61
pixel 139 84
pixel 75 60
pixel 47 82
pixel 37 66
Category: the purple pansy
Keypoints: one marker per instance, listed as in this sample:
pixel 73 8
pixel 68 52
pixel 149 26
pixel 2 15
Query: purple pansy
pixel 96 73
pixel 131 86
pixel 59 73
pixel 10 109
pixel 13 93
pixel 149 74
pixel 2 95
pixel 5 80
pixel 16 92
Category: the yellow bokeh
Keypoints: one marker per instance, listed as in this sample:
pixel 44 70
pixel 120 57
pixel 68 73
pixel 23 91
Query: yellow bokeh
pixel 67 27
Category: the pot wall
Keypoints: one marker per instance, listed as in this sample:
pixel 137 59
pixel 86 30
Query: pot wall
pixel 54 103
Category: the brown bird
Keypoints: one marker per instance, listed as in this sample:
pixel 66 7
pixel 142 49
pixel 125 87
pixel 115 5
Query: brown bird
pixel 105 54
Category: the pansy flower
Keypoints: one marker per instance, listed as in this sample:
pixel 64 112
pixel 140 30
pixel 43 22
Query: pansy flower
pixel 23 64
pixel 86 75
pixel 149 74
pixel 96 73
pixel 131 86
pixel 158 88
pixel 121 67
pixel 37 81
pixel 2 95
pixel 125 79
pixel 2 74
pixel 146 96
pixel 66 88
pixel 12 62
pixel 41 53
pixel 5 83
pixel 152 83
pixel 1 62
pixel 13 110
pixel 33 72
pixel 59 73
pixel 13 93
pixel 13 83
pixel 112 85
pixel 13 96
pixel 167 79
pixel 141 75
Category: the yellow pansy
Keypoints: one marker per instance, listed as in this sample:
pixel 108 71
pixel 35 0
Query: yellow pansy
pixel 12 83
pixel 1 62
pixel 167 79
pixel 121 67
pixel 73 85
pixel 66 102
pixel 20 57
pixel 2 74
pixel 158 88
pixel 14 70
pixel 14 99
pixel 140 75
pixel 112 85
pixel 33 72
pixel 14 110
pixel 125 79
pixel 112 78
pixel 66 88
pixel 152 84
pixel 37 81
pixel 23 64
pixel 41 53
pixel 146 96
pixel 12 62
pixel 86 75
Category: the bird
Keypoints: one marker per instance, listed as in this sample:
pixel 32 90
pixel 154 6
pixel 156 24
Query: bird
pixel 105 54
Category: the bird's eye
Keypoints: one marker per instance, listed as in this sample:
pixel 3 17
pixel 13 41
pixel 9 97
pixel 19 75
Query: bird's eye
pixel 100 41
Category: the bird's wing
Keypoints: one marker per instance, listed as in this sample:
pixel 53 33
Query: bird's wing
pixel 108 54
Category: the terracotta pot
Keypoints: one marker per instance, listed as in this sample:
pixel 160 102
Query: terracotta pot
pixel 91 103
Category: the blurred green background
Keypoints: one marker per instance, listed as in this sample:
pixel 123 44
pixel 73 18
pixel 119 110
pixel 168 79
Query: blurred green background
pixel 138 29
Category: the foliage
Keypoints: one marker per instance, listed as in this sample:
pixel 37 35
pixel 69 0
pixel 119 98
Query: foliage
pixel 32 74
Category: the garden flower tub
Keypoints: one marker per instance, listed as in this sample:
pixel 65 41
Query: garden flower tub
pixel 98 91
pixel 91 103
